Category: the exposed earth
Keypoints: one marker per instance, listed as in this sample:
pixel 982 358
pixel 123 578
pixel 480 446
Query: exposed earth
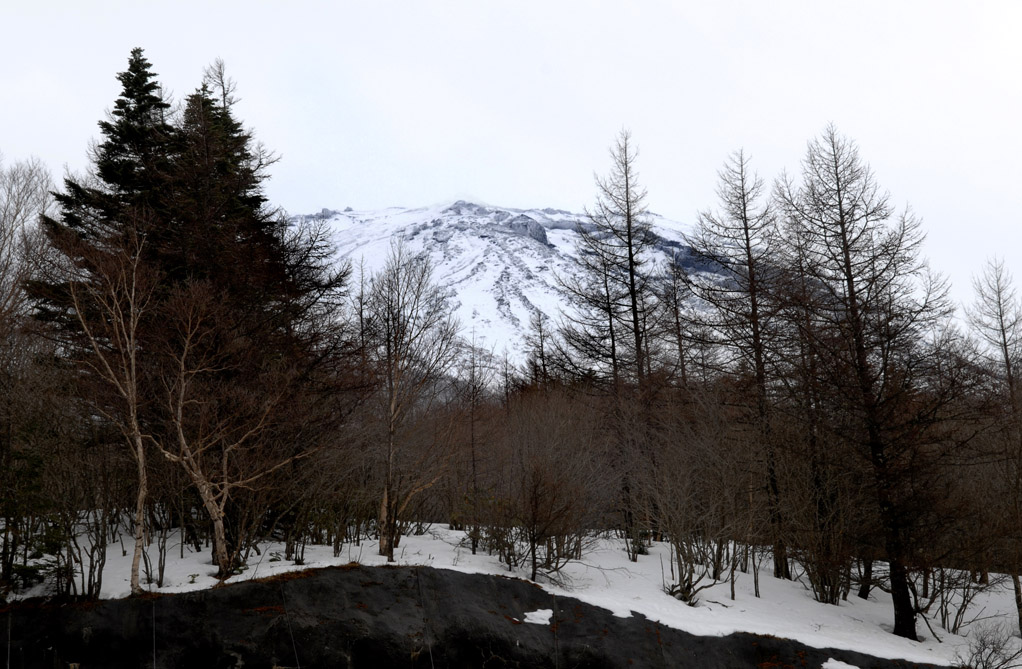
pixel 378 617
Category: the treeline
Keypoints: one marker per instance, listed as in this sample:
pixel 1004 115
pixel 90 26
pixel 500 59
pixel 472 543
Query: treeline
pixel 179 358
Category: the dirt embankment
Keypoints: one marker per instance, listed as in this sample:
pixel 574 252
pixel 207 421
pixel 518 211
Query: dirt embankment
pixel 376 618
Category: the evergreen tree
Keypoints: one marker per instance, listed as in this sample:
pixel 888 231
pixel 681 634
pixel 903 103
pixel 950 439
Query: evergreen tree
pixel 190 305
pixel 276 274
pixel 97 291
pixel 132 159
pixel 268 334
pixel 120 196
pixel 128 164
pixel 218 203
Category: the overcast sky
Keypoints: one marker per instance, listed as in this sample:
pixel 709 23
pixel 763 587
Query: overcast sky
pixel 374 103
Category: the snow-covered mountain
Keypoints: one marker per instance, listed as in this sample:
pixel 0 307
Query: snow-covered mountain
pixel 500 265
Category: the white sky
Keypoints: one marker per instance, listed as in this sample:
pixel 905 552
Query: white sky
pixel 375 103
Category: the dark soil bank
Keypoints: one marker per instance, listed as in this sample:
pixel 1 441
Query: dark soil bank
pixel 375 618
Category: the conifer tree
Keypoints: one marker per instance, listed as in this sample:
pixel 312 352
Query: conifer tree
pixel 608 335
pixel 122 195
pixel 613 293
pixel 133 156
pixel 267 336
pixel 191 305
pixel 738 242
pixel 876 363
pixel 97 295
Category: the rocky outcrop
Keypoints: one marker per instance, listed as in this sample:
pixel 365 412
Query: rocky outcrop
pixel 523 225
pixel 376 617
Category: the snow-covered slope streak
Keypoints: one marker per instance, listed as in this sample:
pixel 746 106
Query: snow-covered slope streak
pixel 500 265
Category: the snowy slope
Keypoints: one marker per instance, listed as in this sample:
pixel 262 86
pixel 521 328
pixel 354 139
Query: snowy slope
pixel 499 264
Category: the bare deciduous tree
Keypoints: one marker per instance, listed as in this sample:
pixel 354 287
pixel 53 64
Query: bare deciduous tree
pixel 414 337
pixel 551 488
pixel 111 292
pixel 996 317
pixel 880 303
pixel 24 196
pixel 221 432
pixel 739 242
pixel 613 289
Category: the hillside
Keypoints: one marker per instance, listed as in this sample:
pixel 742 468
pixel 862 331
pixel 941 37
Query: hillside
pixel 500 265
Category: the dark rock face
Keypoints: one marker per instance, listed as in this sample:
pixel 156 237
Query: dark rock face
pixel 525 225
pixel 376 617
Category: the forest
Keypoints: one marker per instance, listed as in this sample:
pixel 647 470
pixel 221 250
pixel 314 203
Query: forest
pixel 181 358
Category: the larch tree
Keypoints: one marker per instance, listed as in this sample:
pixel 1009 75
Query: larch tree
pixel 996 318
pixel 676 325
pixel 818 508
pixel 614 243
pixel 607 335
pixel 738 241
pixel 879 302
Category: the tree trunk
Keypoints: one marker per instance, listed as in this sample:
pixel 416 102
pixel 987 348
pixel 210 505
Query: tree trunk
pixel 140 500
pixel 1018 598
pixel 867 578
pixel 220 553
pixel 223 560
pixel 532 557
pixel 904 611
pixel 386 528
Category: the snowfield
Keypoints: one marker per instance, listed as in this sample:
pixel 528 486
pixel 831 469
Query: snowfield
pixel 607 579
pixel 499 265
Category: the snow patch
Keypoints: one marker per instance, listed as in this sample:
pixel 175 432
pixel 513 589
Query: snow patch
pixel 539 616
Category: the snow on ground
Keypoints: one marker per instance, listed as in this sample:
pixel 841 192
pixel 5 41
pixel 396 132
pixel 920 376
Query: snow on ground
pixel 539 616
pixel 607 579
pixel 837 664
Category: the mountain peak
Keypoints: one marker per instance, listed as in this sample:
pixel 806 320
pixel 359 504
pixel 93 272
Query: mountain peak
pixel 501 265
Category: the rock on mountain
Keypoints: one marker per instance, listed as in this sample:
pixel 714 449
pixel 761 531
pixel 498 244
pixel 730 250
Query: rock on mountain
pixel 500 265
